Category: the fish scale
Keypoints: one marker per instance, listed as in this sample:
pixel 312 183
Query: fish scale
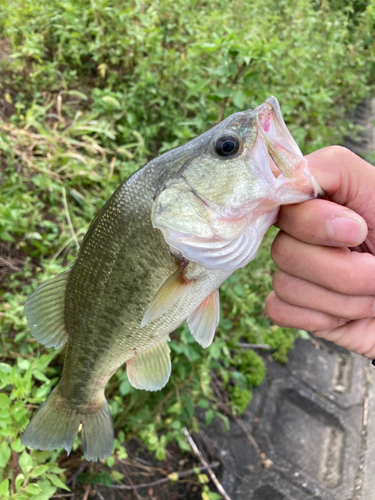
pixel 155 256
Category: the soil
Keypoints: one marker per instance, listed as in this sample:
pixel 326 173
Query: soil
pixel 92 481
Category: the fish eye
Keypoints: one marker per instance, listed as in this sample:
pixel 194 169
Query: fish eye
pixel 227 145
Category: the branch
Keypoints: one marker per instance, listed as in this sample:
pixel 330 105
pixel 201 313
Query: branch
pixel 165 479
pixel 215 480
pixel 99 494
pixel 131 484
pixel 243 345
pixel 266 462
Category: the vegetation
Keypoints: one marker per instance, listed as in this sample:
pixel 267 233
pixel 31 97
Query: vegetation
pixel 90 91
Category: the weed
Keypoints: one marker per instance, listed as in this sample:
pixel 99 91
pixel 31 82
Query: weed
pixel 89 92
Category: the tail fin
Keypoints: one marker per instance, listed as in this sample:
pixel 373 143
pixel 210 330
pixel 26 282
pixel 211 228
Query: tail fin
pixel 56 424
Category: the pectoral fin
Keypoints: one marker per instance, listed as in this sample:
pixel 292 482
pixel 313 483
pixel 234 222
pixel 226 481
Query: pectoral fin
pixel 204 320
pixel 173 289
pixel 150 370
pixel 44 311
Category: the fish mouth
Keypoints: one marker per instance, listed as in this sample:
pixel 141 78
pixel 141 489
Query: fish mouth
pixel 283 149
pixel 285 156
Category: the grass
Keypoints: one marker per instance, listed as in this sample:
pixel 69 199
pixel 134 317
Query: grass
pixel 89 92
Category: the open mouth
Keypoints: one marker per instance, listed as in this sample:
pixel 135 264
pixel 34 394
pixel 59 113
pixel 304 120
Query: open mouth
pixel 285 154
pixel 280 151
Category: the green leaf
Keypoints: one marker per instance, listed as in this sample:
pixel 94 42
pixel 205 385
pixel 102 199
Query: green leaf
pixel 4 487
pixel 25 462
pixel 215 350
pixel 57 482
pixel 77 94
pixel 203 479
pixel 117 476
pixel 19 481
pixel 5 453
pixel 33 489
pixel 239 290
pixel 239 99
pixel 5 368
pixel 209 416
pixel 111 100
pixel 38 375
pixel 39 471
pixel 189 405
pixel 47 490
pixel 176 424
pixel 4 401
pixel 17 446
pixel 302 334
pixel 5 236
pixel 214 496
pixel 23 364
pixel 203 403
pixel 160 454
pixel 55 468
pixel 125 387
pixel 175 408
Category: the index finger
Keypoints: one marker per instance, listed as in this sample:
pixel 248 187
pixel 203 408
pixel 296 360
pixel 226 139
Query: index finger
pixel 337 269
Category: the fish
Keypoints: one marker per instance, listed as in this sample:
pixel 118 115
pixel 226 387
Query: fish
pixel 153 257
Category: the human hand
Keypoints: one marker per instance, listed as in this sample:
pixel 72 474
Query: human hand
pixel 321 285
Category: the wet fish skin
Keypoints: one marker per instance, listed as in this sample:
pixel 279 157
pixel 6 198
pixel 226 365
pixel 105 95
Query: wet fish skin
pixel 153 257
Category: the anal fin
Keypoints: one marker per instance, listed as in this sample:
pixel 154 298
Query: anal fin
pixel 173 289
pixel 204 320
pixel 150 369
pixel 44 311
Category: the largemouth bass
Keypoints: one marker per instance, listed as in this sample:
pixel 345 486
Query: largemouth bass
pixel 155 256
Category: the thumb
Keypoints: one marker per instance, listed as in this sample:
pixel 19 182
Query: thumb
pixel 346 178
pixel 349 183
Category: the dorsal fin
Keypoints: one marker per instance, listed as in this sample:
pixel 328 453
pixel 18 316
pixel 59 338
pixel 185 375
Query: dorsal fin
pixel 44 311
pixel 150 370
pixel 173 289
pixel 204 320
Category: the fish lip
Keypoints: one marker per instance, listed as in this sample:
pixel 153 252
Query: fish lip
pixel 286 157
pixel 277 135
pixel 274 103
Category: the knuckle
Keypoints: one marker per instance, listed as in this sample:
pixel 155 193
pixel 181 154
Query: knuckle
pixel 369 352
pixel 278 248
pixel 349 312
pixel 339 151
pixel 273 310
pixel 276 281
pixel 367 346
pixel 361 308
pixel 270 306
pixel 336 149
pixel 283 284
pixel 341 156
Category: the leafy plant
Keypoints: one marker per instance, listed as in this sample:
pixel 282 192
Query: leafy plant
pixel 89 92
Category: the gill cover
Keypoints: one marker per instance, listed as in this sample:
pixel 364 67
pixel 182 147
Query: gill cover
pixel 204 236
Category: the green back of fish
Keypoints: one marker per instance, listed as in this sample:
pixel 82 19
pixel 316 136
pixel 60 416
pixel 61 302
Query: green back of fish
pixel 122 263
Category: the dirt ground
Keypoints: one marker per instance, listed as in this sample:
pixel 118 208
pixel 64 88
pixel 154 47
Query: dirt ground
pixel 92 481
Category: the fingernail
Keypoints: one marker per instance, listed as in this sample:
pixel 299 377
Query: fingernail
pixel 347 230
